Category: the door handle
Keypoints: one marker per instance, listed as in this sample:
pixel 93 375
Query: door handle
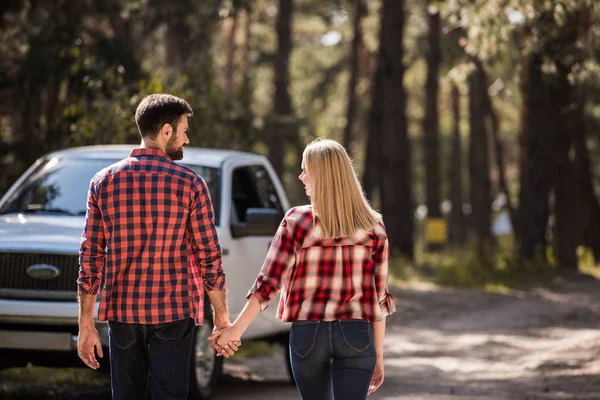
pixel 224 251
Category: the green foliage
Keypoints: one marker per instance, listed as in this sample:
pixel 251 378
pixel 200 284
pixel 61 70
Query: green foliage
pixel 475 267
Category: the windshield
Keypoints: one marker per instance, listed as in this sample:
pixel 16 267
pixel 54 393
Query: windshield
pixel 60 186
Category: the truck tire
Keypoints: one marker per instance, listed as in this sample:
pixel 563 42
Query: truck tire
pixel 205 367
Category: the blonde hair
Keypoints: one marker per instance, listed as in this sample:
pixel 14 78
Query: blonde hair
pixel 337 198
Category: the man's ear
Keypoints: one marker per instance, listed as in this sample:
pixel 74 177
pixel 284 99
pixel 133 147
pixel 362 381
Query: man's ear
pixel 166 130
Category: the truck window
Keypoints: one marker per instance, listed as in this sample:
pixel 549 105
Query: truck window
pixel 252 187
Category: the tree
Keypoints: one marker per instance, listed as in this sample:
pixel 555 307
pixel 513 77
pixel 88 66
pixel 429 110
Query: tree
pixel 395 183
pixel 479 165
pixel 283 115
pixel 431 120
pixel 456 225
pixel 359 11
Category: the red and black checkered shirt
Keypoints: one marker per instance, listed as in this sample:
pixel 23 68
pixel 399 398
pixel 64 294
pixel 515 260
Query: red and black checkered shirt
pixel 325 279
pixel 150 236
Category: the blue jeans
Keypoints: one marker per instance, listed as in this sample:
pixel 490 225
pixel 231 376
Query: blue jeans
pixel 332 359
pixel 154 356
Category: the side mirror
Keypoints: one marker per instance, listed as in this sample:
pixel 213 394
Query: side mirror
pixel 259 222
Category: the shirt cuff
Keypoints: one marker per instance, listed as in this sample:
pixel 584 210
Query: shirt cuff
pixel 261 290
pixel 214 283
pixel 89 285
pixel 387 304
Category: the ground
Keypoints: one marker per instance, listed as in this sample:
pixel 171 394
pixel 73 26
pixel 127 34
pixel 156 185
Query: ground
pixel 539 343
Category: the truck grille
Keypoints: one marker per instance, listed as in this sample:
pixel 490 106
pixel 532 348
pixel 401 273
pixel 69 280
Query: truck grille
pixel 15 282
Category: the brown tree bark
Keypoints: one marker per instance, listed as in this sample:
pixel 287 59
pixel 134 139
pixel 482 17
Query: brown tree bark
pixel 395 183
pixel 372 165
pixel 541 144
pixel 567 196
pixel 479 166
pixel 589 209
pixel 359 11
pixel 231 48
pixel 282 104
pixel 523 148
pixel 456 223
pixel 431 122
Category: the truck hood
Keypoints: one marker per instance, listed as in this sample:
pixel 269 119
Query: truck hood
pixel 46 233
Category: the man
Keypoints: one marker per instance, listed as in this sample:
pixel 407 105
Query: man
pixel 150 236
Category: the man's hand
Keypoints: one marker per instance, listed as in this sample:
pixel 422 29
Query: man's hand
pixel 226 341
pixel 378 374
pixel 218 328
pixel 87 341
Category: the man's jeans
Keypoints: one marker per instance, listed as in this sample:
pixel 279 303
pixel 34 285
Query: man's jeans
pixel 155 356
pixel 332 359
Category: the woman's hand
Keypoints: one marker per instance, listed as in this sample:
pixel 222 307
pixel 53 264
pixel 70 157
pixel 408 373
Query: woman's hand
pixel 226 340
pixel 378 374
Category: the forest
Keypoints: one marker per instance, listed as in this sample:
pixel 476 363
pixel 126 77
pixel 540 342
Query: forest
pixel 458 114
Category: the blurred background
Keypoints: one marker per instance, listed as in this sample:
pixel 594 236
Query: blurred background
pixel 474 125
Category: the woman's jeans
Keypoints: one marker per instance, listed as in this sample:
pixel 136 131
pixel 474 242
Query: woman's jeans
pixel 332 359
pixel 155 356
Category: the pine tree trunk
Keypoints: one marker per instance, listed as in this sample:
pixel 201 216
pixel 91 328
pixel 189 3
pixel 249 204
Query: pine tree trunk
pixel 231 48
pixel 541 144
pixel 395 183
pixel 431 121
pixel 479 165
pixel 456 224
pixel 354 75
pixel 282 104
pixel 372 165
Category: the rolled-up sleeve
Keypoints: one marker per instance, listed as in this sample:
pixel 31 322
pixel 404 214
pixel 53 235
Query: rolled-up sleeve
pixel 92 249
pixel 279 261
pixel 386 301
pixel 205 245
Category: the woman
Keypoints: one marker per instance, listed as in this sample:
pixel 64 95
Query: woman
pixel 330 261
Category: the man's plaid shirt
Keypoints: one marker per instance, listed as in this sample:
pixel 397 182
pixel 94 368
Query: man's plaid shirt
pixel 325 279
pixel 149 235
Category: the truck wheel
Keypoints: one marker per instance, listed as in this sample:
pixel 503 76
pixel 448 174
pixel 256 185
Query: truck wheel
pixel 206 367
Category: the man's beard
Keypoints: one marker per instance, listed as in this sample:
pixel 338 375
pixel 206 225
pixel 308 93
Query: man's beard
pixel 173 151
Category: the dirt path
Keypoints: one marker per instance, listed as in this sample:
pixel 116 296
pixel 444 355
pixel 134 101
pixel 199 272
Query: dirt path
pixel 459 344
pixel 449 344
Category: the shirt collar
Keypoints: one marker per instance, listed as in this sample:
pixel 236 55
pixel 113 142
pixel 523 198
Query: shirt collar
pixel 147 152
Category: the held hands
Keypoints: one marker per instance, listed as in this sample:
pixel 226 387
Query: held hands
pixel 226 341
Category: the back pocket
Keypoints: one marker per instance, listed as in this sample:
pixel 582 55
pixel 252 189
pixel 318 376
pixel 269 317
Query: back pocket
pixel 357 334
pixel 303 337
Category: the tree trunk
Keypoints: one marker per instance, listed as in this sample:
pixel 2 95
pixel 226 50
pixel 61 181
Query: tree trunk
pixel 231 47
pixel 431 121
pixel 282 104
pixel 498 151
pixel 479 166
pixel 354 74
pixel 589 208
pixel 523 149
pixel 456 224
pixel 541 143
pixel 395 188
pixel 567 195
pixel 246 138
pixel 372 165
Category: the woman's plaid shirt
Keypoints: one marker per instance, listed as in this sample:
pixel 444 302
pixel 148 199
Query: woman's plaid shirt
pixel 325 279
pixel 149 235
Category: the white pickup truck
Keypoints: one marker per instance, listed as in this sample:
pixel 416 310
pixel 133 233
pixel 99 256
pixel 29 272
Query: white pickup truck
pixel 41 221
